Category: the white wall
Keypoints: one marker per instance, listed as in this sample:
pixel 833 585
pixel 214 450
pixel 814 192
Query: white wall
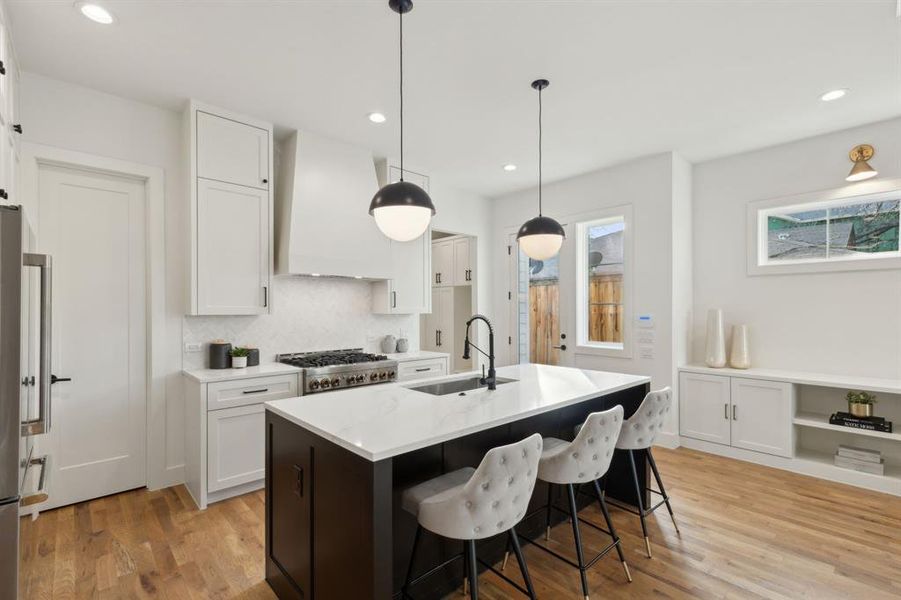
pixel 308 314
pixel 845 322
pixel 647 184
pixel 76 118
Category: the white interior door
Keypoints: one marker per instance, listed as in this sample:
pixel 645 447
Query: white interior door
pixel 93 225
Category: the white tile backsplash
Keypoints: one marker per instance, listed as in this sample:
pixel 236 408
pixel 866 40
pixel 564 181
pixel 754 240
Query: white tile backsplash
pixel 308 313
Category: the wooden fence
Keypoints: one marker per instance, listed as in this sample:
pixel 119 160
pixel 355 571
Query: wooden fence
pixel 605 316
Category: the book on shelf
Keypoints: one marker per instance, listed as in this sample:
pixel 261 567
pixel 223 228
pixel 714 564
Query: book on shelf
pixel 864 466
pixel 873 456
pixel 870 423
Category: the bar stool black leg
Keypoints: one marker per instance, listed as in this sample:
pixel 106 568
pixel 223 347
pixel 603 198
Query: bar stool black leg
pixel 547 525
pixel 473 569
pixel 522 563
pixel 410 564
pixel 663 490
pixel 612 530
pixel 639 492
pixel 574 514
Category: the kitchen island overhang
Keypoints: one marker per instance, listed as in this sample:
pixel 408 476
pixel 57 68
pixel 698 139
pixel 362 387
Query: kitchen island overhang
pixel 337 463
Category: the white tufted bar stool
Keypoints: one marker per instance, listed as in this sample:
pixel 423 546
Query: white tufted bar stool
pixel 583 460
pixel 474 504
pixel 639 433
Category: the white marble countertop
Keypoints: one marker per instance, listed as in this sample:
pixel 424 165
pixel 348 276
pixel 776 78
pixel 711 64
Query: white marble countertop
pixel 212 375
pixel 416 355
pixel 837 380
pixel 378 422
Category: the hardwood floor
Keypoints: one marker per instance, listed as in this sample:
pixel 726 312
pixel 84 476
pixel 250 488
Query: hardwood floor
pixel 747 532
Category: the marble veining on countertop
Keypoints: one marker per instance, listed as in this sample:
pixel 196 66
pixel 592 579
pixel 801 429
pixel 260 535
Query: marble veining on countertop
pixel 381 421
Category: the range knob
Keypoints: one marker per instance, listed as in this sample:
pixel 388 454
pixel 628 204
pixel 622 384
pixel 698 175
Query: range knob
pixel 391 374
pixel 360 378
pixel 336 382
pixel 324 383
pixel 350 380
pixel 314 385
pixel 374 377
pixel 383 375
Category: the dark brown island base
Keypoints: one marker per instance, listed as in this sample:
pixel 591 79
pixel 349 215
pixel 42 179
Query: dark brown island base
pixel 335 472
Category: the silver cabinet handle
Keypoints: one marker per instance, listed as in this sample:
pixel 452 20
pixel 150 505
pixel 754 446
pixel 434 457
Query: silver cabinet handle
pixel 734 413
pixel 259 391
pixel 423 369
pixel 42 423
pixel 393 299
pixel 726 411
pixel 265 296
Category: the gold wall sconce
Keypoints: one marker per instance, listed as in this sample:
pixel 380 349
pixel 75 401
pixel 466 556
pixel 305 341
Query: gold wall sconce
pixel 861 170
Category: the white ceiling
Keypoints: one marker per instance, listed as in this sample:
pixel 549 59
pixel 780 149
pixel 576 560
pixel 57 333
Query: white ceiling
pixel 704 78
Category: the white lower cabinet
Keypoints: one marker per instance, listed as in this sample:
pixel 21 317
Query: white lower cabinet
pixel 704 411
pixel 762 413
pixel 743 413
pixel 225 433
pixel 235 446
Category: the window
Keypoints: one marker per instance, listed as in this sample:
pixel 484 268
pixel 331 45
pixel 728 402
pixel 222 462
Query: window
pixel 602 313
pixel 828 235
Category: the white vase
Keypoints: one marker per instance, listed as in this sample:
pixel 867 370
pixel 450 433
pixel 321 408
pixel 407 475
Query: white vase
pixel 740 357
pixel 716 339
pixel 239 362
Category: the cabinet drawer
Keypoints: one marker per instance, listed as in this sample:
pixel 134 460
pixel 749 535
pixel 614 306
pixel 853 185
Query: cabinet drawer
pixel 236 443
pixel 241 392
pixel 417 369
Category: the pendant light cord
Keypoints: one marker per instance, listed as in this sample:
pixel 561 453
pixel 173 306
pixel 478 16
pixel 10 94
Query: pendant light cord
pixel 539 151
pixel 401 94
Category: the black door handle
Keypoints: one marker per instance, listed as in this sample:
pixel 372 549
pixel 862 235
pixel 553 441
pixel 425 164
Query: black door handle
pixel 561 347
pixel 55 379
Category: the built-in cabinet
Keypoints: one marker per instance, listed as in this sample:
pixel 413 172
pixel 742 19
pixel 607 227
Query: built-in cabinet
pixel 750 414
pixel 225 433
pixel 408 291
pixel 438 331
pixel 424 366
pixel 231 211
pixel 453 261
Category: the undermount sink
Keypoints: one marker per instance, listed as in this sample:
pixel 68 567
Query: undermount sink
pixel 456 386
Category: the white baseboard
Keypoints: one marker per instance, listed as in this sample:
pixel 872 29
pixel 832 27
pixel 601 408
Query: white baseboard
pixel 167 478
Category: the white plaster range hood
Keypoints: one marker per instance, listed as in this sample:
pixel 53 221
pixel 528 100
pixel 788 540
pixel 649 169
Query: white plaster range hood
pixel 322 222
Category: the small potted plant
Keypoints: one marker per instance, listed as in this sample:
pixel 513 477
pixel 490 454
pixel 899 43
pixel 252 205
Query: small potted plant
pixel 860 404
pixel 239 357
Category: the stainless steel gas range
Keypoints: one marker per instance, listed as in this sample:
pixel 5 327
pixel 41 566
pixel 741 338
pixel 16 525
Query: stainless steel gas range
pixel 340 369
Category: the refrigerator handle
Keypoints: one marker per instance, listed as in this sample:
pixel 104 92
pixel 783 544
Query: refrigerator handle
pixel 42 423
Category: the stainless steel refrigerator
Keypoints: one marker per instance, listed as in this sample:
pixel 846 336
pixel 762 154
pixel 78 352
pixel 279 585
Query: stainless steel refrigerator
pixel 25 279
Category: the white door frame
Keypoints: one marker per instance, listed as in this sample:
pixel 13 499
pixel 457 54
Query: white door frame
pixel 36 155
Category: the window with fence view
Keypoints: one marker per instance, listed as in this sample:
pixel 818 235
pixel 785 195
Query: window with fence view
pixel 605 281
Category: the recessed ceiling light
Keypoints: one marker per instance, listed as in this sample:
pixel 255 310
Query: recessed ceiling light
pixel 509 167
pixel 95 12
pixel 377 117
pixel 834 95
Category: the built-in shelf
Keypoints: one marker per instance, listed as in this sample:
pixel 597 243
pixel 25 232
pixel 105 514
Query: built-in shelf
pixel 822 464
pixel 820 421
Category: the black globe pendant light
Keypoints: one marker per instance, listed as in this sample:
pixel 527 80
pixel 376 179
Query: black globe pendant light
pixel 540 237
pixel 402 210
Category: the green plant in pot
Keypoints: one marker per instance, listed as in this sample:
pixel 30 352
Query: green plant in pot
pixel 860 404
pixel 239 357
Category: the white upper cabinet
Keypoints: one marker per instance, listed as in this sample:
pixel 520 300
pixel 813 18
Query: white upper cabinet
pixel 232 151
pixel 231 212
pixel 232 249
pixel 463 255
pixel 443 263
pixel 408 291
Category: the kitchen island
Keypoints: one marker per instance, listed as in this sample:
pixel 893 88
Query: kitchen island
pixel 337 464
